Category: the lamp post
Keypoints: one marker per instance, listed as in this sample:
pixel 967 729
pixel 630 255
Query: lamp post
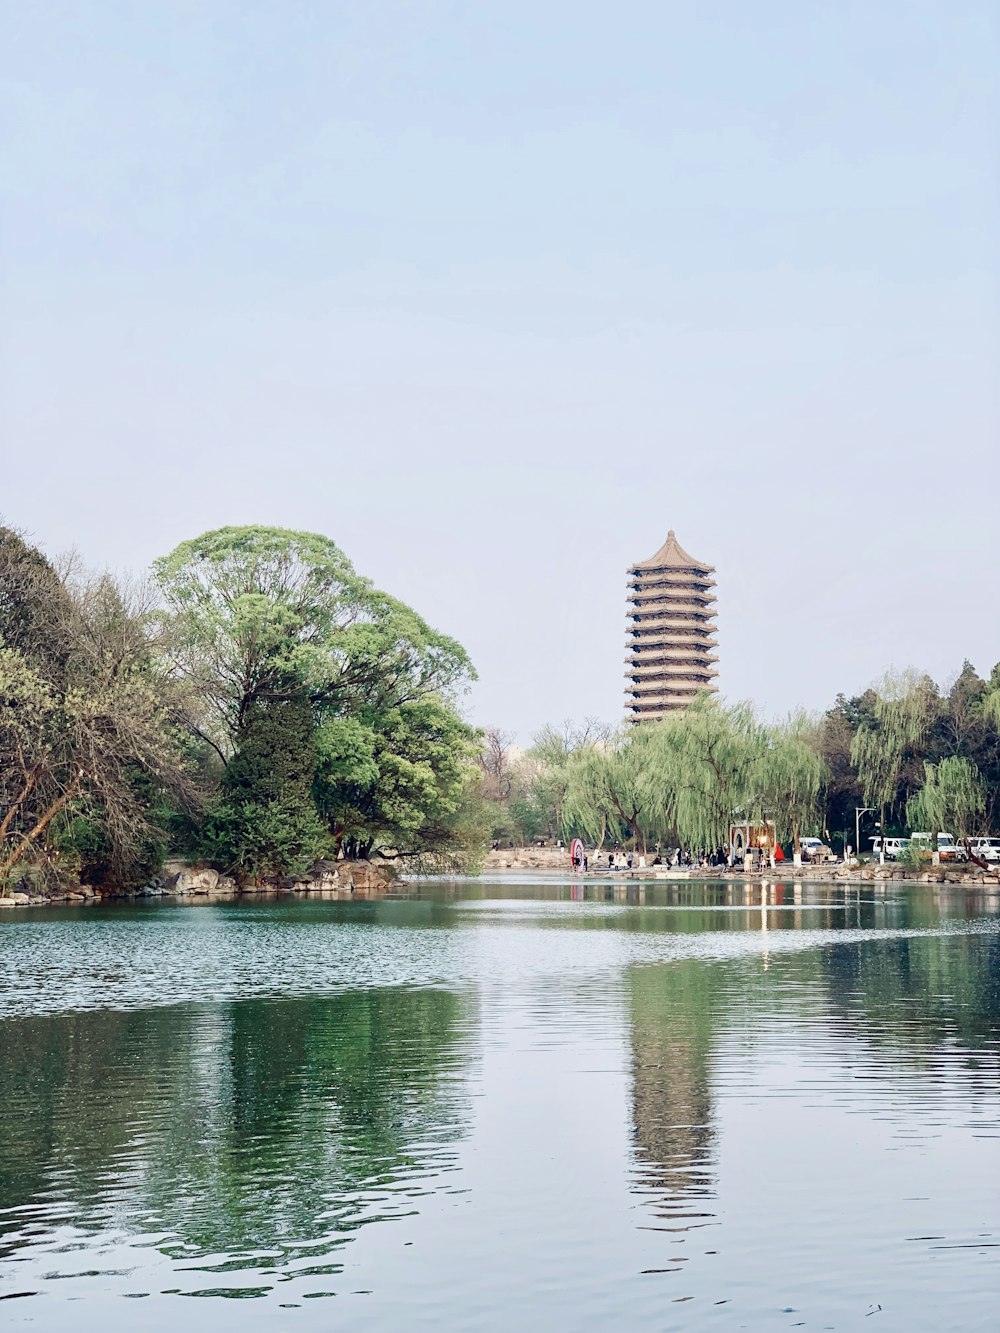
pixel 860 810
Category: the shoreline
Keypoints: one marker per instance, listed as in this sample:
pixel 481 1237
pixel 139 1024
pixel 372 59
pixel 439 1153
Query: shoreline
pixel 359 882
pixel 543 861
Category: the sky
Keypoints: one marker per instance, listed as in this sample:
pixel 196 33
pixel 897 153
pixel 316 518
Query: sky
pixel 494 294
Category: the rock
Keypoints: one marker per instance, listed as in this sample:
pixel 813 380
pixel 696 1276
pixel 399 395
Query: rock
pixel 7 902
pixel 20 899
pixel 366 876
pixel 326 882
pixel 196 881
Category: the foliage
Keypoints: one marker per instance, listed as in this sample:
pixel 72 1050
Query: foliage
pixel 902 712
pixel 87 743
pixel 265 822
pixel 706 770
pixel 791 775
pixel 524 791
pixel 256 612
pixel 276 706
pixel 397 782
pixel 607 788
pixel 263 619
pixel 951 798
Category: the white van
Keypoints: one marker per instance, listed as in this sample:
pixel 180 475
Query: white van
pixel 894 847
pixel 987 849
pixel 948 848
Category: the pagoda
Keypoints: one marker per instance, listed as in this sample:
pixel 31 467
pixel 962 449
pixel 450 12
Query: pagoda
pixel 672 632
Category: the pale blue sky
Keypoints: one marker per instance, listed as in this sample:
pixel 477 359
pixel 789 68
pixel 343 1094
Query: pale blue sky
pixel 494 294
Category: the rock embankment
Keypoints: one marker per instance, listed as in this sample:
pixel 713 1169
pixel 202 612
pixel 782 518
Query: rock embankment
pixel 326 879
pixel 555 860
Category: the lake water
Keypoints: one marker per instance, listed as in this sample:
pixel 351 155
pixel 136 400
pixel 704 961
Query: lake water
pixel 496 1106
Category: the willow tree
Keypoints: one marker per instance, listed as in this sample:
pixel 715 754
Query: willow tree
pixel 544 770
pixel 704 769
pixel 952 797
pixel 791 778
pixel 607 789
pixel 902 713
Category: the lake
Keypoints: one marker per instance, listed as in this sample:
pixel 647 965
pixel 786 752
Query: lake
pixel 496 1105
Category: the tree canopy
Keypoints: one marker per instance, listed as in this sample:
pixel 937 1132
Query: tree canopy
pixel 267 624
pixel 87 742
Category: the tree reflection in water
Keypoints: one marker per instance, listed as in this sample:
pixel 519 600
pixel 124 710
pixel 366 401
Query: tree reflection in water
pixel 258 1132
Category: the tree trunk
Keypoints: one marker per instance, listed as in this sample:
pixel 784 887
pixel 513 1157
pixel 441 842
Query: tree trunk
pixel 22 796
pixel 983 865
pixel 16 855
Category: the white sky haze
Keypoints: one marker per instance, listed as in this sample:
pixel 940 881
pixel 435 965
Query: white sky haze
pixel 495 294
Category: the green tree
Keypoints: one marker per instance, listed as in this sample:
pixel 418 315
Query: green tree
pixel 87 744
pixel 607 791
pixel 265 822
pixel 257 612
pixel 265 620
pixel 705 770
pixel 399 783
pixel 791 776
pixel 903 710
pixel 253 613
pixel 951 798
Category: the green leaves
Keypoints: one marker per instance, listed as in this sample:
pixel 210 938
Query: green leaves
pixel 396 780
pixel 253 609
pixel 85 726
pixel 952 797
pixel 265 618
pixel 685 779
pixel 903 711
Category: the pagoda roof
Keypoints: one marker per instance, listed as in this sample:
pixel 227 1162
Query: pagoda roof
pixel 650 707
pixel 656 670
pixel 672 597
pixel 669 578
pixel 680 651
pixel 683 613
pixel 672 555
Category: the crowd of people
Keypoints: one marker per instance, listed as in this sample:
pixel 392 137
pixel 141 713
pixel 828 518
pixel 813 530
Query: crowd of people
pixel 619 859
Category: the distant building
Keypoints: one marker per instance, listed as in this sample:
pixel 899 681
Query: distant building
pixel 671 634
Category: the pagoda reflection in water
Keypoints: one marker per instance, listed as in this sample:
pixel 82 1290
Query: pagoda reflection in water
pixel 671 1012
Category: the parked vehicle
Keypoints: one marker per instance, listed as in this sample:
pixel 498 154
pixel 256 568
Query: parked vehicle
pixel 814 849
pixel 987 849
pixel 948 848
pixel 894 847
